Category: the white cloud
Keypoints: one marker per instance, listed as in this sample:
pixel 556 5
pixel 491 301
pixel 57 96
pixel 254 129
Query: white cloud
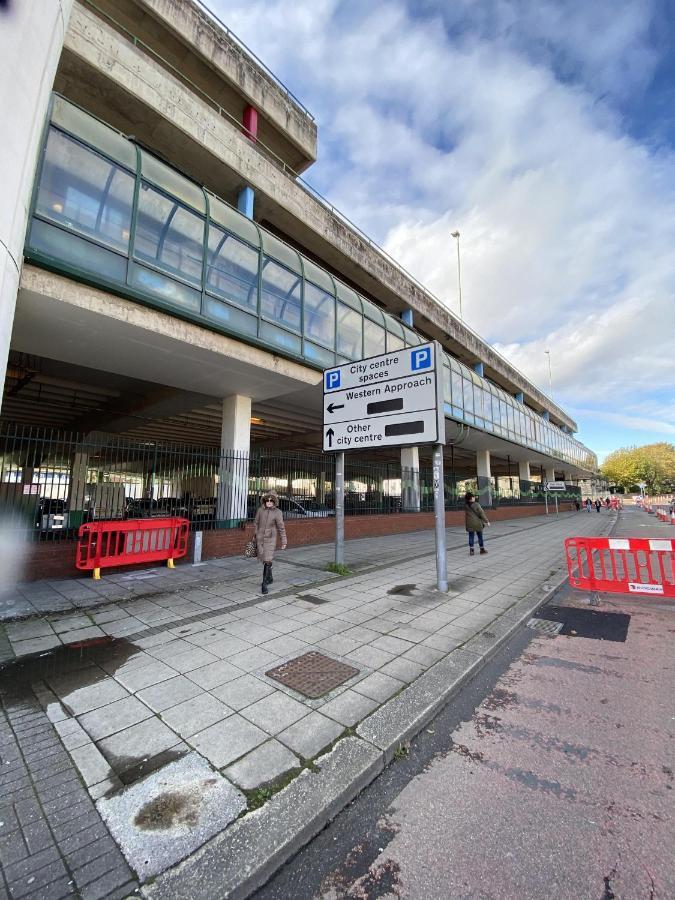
pixel 502 119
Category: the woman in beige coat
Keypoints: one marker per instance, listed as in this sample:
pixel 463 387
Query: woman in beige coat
pixel 268 524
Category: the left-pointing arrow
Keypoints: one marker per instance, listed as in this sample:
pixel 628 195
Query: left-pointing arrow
pixel 329 435
pixel 333 406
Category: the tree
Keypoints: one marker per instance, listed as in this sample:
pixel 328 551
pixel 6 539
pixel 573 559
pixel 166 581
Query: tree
pixel 653 463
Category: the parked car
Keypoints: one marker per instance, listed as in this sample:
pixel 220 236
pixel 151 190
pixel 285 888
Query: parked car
pixel 156 509
pixel 51 514
pixel 293 507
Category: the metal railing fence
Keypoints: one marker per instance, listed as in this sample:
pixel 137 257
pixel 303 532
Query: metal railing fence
pixel 51 482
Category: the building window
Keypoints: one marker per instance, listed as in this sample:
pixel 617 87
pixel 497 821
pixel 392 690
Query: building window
pixel 394 342
pixel 280 294
pixel 468 396
pixel 168 235
pixel 349 332
pixel 373 339
pixel 232 269
pixel 85 192
pixel 319 316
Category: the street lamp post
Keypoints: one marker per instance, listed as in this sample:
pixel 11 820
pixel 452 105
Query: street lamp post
pixel 550 380
pixel 455 234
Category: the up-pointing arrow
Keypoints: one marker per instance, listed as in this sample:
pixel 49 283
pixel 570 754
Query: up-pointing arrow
pixel 329 435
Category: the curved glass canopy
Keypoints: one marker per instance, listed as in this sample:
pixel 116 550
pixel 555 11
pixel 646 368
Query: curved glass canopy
pixel 106 212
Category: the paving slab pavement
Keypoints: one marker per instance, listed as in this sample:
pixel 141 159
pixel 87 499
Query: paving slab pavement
pixel 186 673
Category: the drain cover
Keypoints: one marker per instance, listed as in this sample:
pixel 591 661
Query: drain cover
pixel 588 623
pixel 312 674
pixel 545 627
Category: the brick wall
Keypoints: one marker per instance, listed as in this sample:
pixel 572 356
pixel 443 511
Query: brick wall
pixel 49 560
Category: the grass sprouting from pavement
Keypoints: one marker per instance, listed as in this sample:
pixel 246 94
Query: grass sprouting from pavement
pixel 338 569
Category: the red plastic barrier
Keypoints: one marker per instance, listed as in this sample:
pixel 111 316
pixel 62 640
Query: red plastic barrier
pixel 122 543
pixel 622 565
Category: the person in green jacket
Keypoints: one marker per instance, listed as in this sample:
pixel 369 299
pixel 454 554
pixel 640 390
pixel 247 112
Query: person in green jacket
pixel 474 521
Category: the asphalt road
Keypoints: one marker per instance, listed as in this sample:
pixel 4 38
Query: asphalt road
pixel 551 775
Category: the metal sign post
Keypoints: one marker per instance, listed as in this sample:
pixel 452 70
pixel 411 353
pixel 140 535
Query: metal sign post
pixel 391 400
pixel 553 487
pixel 340 509
pixel 439 510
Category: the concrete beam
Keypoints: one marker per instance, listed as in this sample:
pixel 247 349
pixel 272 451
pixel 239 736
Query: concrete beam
pixel 102 331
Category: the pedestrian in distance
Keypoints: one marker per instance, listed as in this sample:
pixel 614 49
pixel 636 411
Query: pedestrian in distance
pixel 589 504
pixel 269 524
pixel 474 521
pixel 598 505
pixel 577 505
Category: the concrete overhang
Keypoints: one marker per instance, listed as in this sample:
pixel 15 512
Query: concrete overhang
pixel 62 319
pixel 194 47
pixel 117 81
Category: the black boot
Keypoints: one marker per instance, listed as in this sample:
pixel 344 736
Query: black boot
pixel 269 573
pixel 263 588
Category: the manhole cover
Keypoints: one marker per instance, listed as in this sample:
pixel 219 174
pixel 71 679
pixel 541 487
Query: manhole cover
pixel 312 674
pixel 545 627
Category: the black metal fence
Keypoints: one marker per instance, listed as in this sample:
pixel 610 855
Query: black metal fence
pixel 51 482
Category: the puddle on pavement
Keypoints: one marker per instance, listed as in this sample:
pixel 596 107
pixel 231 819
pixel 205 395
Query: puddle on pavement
pixel 405 590
pixel 70 669
pixel 68 659
pixel 132 768
pixel 317 601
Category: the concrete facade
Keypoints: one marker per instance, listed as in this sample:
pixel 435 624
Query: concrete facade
pixel 135 93
pixel 31 38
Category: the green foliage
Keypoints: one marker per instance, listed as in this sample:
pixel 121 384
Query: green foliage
pixel 401 752
pixel 653 463
pixel 338 569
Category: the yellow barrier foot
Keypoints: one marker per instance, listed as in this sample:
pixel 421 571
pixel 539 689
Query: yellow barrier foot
pixel 97 575
pixel 170 564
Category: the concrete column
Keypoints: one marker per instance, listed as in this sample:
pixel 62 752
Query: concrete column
pixel 245 202
pixel 235 444
pixel 479 369
pixel 524 475
pixel 550 473
pixel 31 40
pixel 410 479
pixel 321 487
pixel 77 489
pixel 484 479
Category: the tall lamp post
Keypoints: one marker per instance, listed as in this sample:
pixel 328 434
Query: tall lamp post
pixel 550 380
pixel 455 234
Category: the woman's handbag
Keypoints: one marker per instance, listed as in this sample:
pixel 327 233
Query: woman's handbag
pixel 251 549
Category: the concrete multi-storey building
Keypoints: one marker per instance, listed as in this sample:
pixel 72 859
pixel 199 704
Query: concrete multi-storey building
pixel 168 276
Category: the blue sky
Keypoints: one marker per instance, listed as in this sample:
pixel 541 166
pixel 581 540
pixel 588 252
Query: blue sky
pixel 545 133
